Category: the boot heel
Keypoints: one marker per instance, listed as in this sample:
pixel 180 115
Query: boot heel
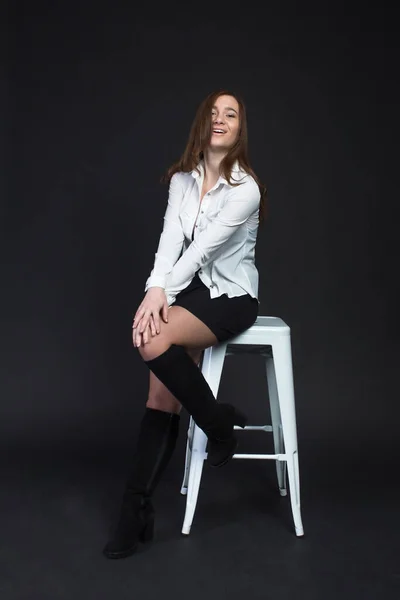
pixel 240 418
pixel 147 533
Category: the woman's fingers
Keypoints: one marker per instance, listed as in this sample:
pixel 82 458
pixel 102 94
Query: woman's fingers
pixel 165 309
pixel 139 337
pixel 138 316
pixel 135 337
pixel 145 323
pixel 145 320
pixel 156 322
pixel 152 326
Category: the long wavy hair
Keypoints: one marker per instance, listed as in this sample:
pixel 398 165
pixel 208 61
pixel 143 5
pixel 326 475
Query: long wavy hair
pixel 199 139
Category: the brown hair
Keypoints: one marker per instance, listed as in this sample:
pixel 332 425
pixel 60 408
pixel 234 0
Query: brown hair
pixel 199 138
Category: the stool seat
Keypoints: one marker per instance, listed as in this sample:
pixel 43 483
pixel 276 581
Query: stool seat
pixel 269 337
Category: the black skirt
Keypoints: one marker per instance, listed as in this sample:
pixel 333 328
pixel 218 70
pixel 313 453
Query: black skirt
pixel 226 317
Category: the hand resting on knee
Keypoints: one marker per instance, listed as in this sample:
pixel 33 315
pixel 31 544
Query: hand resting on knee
pixel 147 317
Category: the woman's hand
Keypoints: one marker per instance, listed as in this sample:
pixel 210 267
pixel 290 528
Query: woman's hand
pixel 147 317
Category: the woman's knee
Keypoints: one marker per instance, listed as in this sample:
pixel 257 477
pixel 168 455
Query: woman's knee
pixel 160 343
pixel 155 346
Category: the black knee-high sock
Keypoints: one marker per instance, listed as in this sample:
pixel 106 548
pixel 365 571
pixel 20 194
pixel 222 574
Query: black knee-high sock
pixel 178 372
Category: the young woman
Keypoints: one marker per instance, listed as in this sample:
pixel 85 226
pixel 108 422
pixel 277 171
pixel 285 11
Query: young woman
pixel 204 284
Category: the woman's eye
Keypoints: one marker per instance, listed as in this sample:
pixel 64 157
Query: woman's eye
pixel 214 113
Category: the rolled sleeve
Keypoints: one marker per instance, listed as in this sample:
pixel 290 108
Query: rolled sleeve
pixel 171 238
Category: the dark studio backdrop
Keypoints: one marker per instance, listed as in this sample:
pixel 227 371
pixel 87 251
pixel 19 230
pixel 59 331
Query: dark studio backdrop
pixel 100 101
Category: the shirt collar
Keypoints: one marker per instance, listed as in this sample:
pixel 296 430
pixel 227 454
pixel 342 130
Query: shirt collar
pixel 236 171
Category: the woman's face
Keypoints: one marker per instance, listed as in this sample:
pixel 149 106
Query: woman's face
pixel 224 123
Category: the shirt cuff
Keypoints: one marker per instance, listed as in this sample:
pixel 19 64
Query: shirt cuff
pixel 155 281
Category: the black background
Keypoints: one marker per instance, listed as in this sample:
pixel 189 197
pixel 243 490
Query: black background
pixel 100 98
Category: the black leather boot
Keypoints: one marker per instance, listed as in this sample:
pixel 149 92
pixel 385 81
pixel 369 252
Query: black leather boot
pixel 156 442
pixel 185 381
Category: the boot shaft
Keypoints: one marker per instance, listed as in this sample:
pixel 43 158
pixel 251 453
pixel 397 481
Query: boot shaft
pixel 155 445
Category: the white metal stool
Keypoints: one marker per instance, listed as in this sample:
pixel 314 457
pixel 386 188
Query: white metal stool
pixel 270 337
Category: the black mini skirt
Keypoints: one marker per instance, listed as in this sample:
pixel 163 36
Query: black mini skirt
pixel 226 317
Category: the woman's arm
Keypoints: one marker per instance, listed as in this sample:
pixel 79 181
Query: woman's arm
pixel 239 206
pixel 171 238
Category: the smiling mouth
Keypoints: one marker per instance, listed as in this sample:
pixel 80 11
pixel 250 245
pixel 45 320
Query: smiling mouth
pixel 218 132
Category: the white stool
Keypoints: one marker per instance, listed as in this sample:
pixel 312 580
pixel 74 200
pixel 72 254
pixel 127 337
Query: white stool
pixel 266 334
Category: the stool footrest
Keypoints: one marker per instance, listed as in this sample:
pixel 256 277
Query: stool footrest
pixel 267 428
pixel 262 456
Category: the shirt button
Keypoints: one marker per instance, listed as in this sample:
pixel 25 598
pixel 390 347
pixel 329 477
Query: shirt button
pixel 202 211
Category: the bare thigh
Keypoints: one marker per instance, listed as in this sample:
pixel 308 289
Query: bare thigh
pixel 183 329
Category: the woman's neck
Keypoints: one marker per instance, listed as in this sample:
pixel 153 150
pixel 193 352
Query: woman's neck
pixel 212 161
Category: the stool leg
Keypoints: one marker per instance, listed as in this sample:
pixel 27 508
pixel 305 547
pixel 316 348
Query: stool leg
pixel 276 425
pixel 212 365
pixel 188 456
pixel 189 444
pixel 284 380
pixel 196 468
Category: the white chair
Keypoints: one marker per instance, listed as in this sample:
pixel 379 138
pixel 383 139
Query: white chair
pixel 270 337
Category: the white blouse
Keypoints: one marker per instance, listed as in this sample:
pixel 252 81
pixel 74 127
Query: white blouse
pixel 215 237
